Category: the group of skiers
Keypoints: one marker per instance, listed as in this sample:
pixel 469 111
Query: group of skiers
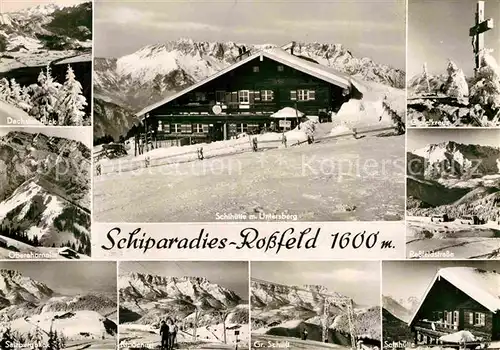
pixel 168 334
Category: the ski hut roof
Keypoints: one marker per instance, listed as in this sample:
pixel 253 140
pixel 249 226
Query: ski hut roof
pixel 276 54
pixel 481 285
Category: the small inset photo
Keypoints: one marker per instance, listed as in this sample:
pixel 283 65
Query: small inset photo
pixel 452 62
pixel 453 194
pixel 183 305
pixel 58 305
pixel 441 305
pixel 45 62
pixel 44 193
pixel 316 305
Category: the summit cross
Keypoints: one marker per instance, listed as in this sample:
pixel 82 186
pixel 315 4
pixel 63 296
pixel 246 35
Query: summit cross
pixel 477 32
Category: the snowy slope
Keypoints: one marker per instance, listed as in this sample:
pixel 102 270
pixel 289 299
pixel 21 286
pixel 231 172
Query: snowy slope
pixel 38 35
pixel 46 189
pixel 71 324
pixel 11 115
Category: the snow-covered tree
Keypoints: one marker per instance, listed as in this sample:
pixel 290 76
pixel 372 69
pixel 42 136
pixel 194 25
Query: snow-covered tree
pixel 15 92
pixel 71 103
pixel 37 340
pixel 25 103
pixel 53 343
pixel 4 90
pixel 44 98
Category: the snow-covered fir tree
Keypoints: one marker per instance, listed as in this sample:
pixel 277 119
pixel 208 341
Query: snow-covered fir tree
pixel 44 98
pixel 70 102
pixel 15 92
pixel 4 90
pixel 26 99
pixel 37 341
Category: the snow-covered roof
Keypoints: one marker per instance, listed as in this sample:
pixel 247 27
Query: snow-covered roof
pixel 276 54
pixel 482 286
pixel 287 112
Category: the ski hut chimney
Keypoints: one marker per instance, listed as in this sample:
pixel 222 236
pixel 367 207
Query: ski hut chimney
pixel 292 47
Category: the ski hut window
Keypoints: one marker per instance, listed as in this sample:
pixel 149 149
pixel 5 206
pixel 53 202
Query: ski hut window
pixel 455 318
pixel 471 317
pixel 176 128
pixel 242 128
pixel 306 95
pixel 448 317
pixel 480 319
pixel 256 69
pixel 280 68
pixel 267 95
pixel 186 128
pixel 200 128
pixel 244 96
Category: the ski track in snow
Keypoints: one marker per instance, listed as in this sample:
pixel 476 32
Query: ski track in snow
pixel 274 181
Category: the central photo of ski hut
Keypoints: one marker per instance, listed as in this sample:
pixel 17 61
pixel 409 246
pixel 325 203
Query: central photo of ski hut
pixel 58 305
pixel 183 305
pixel 316 305
pixel 261 113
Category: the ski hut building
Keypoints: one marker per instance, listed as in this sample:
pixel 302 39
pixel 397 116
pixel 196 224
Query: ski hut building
pixel 459 299
pixel 242 98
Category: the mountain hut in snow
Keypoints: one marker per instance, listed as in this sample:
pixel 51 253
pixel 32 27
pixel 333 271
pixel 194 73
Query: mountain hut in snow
pixel 459 299
pixel 243 97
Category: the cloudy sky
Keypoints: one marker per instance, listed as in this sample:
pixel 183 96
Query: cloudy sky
pixel 69 277
pixel 344 277
pixel 439 30
pixel 373 28
pixel 404 279
pixel 16 5
pixel 232 275
pixel 82 134
pixel 418 138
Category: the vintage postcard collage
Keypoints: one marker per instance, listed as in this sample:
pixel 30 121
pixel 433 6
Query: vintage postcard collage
pixel 249 174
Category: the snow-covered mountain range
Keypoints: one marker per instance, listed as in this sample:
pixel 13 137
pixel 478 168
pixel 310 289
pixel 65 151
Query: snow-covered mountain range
pixel 156 71
pixel 277 306
pixel 460 179
pixel 402 309
pixel 38 35
pixel 45 196
pixel 29 304
pixel 144 298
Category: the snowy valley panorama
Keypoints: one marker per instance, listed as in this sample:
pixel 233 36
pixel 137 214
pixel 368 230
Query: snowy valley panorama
pixel 46 63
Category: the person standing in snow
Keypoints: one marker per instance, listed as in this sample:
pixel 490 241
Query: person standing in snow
pixel 174 331
pixel 164 334
pixel 170 324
